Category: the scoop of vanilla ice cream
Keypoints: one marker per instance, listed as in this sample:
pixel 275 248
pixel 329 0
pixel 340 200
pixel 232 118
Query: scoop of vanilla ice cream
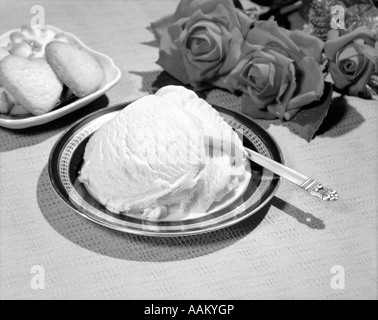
pixel 164 153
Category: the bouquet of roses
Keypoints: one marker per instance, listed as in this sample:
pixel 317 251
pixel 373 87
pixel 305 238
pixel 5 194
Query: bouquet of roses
pixel 280 73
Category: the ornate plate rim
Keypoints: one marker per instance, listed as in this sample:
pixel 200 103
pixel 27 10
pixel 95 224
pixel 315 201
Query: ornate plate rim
pixel 67 135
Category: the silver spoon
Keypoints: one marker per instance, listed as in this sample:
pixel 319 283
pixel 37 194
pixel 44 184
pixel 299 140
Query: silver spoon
pixel 308 184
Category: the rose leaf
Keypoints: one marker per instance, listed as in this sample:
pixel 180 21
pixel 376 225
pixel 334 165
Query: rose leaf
pixel 158 27
pixel 308 121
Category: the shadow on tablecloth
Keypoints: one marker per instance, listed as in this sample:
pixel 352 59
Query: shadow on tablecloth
pixel 301 216
pixel 16 139
pixel 115 244
pixel 341 119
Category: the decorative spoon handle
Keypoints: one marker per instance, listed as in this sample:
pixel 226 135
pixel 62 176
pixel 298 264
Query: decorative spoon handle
pixel 310 185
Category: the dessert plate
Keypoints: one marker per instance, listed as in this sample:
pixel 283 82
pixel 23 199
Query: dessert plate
pixel 112 76
pixel 66 160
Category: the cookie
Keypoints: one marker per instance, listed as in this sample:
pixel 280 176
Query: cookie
pixel 32 83
pixel 30 42
pixel 76 68
pixel 9 106
pixel 19 110
pixel 3 53
pixel 5 104
pixel 21 49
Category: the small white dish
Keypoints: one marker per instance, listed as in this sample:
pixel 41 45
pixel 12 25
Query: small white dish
pixel 112 76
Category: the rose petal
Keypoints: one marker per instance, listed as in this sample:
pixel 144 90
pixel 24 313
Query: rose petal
pixel 234 54
pixel 360 60
pixel 160 26
pixel 260 75
pixel 267 33
pixel 311 84
pixel 338 77
pixel 199 45
pixel 234 79
pixel 245 22
pixel 277 110
pixel 310 45
pixel 333 34
pixel 170 57
pixel 249 108
pixel 332 47
pixel 290 87
pixel 223 9
pixel 262 100
pixel 370 53
pixel 351 65
pixel 199 41
pixel 215 51
pixel 282 64
pixel 356 88
pixel 270 35
pixel 348 52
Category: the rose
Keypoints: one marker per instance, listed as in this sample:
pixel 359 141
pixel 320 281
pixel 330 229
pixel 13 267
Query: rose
pixel 260 75
pixel 203 42
pixel 352 59
pixel 280 71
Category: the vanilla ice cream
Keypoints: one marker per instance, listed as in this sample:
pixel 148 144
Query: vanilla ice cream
pixel 165 153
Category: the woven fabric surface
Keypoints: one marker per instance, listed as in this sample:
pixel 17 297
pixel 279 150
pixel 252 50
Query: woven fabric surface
pixel 286 251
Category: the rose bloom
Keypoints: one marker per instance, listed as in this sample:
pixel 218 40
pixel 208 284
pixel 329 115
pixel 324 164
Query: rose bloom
pixel 353 58
pixel 279 73
pixel 203 42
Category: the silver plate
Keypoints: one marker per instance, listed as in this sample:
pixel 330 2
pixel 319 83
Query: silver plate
pixel 66 159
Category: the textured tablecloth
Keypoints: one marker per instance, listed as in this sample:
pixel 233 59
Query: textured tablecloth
pixel 288 250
